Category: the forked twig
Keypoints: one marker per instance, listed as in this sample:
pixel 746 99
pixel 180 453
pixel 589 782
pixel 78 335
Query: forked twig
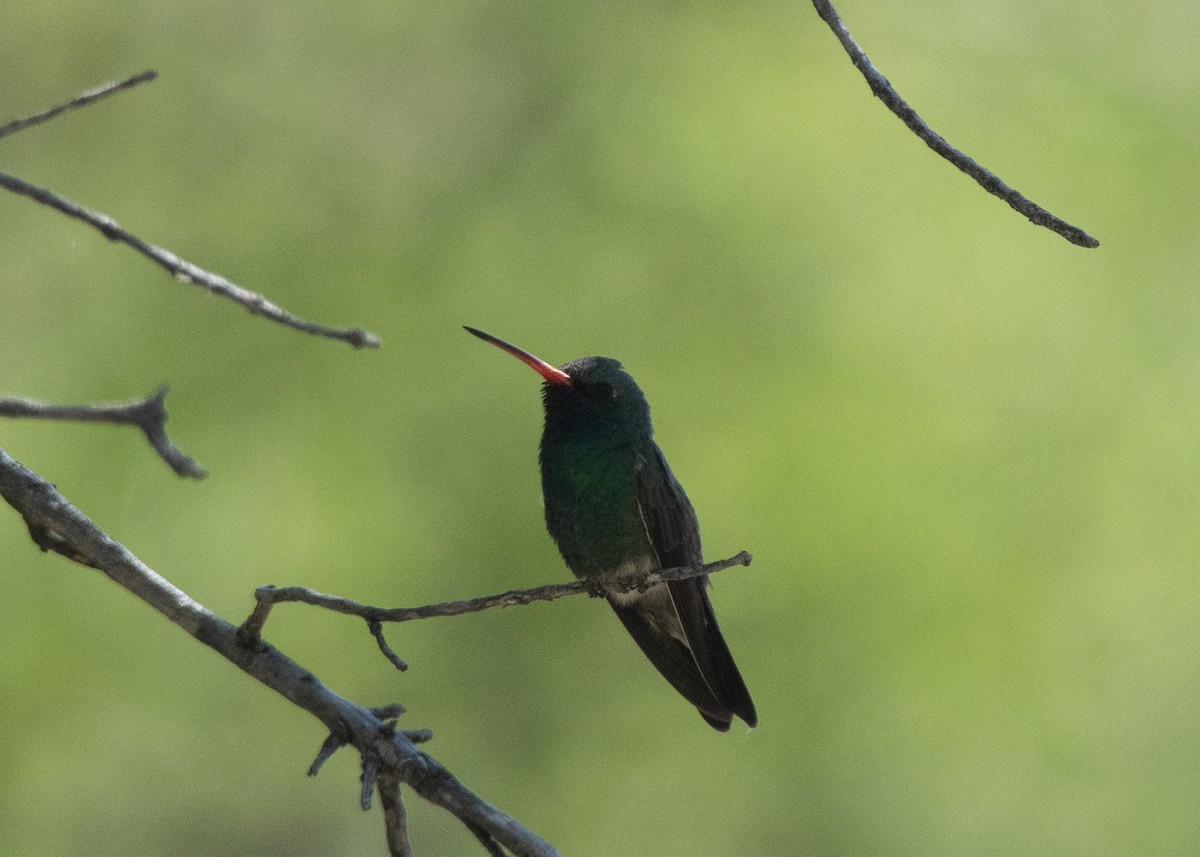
pixel 148 414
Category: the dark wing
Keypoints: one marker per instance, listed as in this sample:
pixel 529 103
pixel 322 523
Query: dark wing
pixel 674 624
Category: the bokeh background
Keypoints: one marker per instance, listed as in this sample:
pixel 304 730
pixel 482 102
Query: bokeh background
pixel 963 452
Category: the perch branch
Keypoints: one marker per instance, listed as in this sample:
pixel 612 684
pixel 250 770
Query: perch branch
pixel 148 414
pixel 391 751
pixel 988 180
pixel 180 269
pixel 83 99
pixel 267 597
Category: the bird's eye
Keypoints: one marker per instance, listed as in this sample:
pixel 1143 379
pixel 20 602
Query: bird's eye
pixel 604 390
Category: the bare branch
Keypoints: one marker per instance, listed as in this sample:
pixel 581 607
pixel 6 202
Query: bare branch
pixel 181 269
pixel 40 504
pixel 185 271
pixel 148 414
pixel 988 180
pixel 268 596
pixel 83 99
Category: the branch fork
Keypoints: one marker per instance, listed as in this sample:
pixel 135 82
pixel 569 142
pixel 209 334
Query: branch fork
pixel 148 414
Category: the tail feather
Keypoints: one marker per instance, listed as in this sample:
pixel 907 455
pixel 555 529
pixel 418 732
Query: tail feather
pixel 675 628
pixel 709 649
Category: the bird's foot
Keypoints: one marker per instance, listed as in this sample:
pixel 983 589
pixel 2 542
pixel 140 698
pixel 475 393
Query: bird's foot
pixel 596 587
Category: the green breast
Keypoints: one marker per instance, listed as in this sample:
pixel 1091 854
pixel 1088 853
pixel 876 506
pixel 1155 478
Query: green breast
pixel 590 494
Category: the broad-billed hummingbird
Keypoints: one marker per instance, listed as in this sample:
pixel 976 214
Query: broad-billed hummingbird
pixel 614 508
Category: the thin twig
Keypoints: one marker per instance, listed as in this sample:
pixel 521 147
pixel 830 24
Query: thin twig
pixel 185 271
pixel 148 414
pixel 376 628
pixel 395 817
pixel 988 180
pixel 331 745
pixel 370 771
pixel 81 100
pixel 388 714
pixel 267 596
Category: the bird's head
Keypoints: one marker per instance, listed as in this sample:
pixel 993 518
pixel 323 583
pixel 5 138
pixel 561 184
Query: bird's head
pixel 587 395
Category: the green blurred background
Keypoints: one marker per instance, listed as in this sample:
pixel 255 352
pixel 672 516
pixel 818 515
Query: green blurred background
pixel 962 451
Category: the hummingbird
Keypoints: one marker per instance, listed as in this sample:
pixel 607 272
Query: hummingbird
pixel 614 508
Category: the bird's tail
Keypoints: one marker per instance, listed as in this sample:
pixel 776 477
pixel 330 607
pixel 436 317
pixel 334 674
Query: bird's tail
pixel 676 629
